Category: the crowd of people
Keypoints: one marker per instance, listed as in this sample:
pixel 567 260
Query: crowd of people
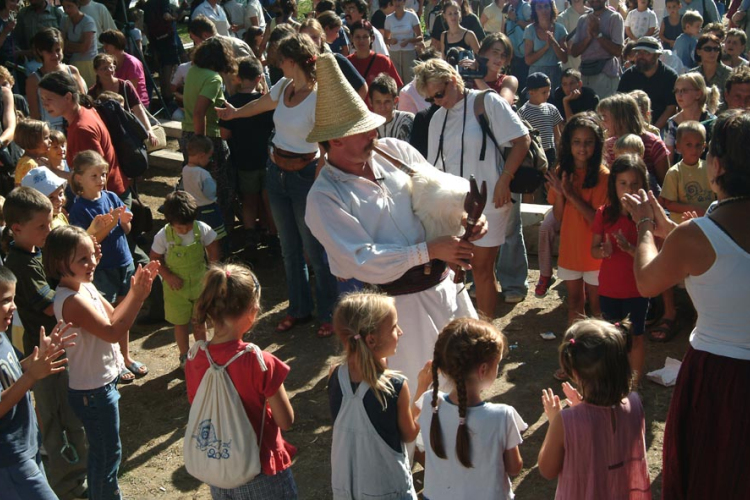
pixel 344 140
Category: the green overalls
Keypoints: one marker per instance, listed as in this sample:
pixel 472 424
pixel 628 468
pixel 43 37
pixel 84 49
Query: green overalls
pixel 189 263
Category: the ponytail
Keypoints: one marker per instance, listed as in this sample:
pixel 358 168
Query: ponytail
pixel 713 96
pixel 436 432
pixel 463 442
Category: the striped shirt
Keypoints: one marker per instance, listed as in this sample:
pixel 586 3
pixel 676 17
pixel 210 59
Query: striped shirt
pixel 543 117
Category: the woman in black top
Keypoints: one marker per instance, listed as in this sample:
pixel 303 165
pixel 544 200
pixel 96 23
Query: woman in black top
pixel 456 35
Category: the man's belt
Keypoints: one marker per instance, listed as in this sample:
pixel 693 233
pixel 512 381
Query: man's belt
pixel 417 279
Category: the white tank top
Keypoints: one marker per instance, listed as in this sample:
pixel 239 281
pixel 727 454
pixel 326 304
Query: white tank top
pixel 721 296
pixel 92 362
pixel 293 125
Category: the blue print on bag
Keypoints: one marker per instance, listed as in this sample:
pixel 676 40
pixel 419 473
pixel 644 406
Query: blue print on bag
pixel 210 443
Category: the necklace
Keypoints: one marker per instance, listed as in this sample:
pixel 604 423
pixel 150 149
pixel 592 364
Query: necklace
pixel 727 201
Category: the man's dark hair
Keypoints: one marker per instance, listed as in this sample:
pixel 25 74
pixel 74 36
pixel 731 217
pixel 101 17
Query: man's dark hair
pixel 324 5
pixel 361 6
pixel 738 76
pixel 201 25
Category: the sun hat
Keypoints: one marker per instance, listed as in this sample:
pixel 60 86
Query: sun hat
pixel 648 44
pixel 536 81
pixel 340 111
pixel 43 180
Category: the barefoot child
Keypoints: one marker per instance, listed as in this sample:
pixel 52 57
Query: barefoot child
pixel 96 362
pixel 21 471
pixel 231 299
pixel 615 237
pixel 367 326
pixel 181 247
pixel 471 445
pixel 597 447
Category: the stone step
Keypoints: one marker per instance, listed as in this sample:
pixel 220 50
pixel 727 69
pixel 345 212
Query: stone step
pixel 173 128
pixel 166 158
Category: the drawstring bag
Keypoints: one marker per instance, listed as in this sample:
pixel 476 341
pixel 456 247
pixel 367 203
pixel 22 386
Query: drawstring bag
pixel 220 446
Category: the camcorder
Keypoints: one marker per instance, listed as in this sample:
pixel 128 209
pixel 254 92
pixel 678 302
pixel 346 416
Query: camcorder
pixel 455 55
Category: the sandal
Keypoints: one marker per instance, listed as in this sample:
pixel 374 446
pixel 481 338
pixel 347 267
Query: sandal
pixel 560 375
pixel 325 330
pixel 667 327
pixel 126 377
pixel 138 369
pixel 290 322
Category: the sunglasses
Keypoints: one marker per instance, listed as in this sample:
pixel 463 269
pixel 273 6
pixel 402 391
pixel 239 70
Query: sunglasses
pixel 711 49
pixel 438 95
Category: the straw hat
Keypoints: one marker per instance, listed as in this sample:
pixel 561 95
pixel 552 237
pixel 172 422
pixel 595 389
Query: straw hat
pixel 339 112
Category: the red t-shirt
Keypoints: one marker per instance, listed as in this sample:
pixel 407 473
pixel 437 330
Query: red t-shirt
pixel 381 64
pixel 616 276
pixel 87 131
pixel 253 386
pixel 655 151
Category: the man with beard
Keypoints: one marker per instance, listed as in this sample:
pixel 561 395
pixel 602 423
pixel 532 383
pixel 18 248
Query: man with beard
pixel 653 77
pixel 598 39
pixel 355 10
pixel 360 209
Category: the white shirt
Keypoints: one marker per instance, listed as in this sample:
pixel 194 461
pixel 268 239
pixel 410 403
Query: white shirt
pixel 199 183
pixel 378 44
pixel 253 9
pixel 505 125
pixel 293 125
pixel 102 18
pixel 215 14
pixel 161 245
pixel 640 22
pixel 178 79
pixel 493 429
pixel 401 29
pixel 235 15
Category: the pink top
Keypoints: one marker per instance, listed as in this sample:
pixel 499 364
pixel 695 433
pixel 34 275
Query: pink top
pixel 132 69
pixel 605 453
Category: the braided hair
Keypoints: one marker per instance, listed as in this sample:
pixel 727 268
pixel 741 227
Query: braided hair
pixel 460 348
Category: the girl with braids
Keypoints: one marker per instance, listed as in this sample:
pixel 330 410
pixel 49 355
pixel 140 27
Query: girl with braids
pixel 478 458
pixel 231 300
pixel 368 400
pixel 576 189
pixel 597 447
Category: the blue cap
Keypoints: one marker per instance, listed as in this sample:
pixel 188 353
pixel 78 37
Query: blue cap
pixel 536 81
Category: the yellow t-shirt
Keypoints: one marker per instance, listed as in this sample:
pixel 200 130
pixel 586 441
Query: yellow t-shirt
pixel 59 220
pixel 687 184
pixel 23 166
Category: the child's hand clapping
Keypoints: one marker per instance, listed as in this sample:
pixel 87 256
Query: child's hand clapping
pixel 45 361
pixel 424 379
pixel 554 182
pixel 624 244
pixel 140 283
pixel 571 393
pixel 57 339
pixel 100 222
pixel 606 247
pixel 551 402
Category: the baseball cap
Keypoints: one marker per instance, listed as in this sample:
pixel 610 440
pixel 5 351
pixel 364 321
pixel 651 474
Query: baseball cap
pixel 648 44
pixel 536 81
pixel 43 180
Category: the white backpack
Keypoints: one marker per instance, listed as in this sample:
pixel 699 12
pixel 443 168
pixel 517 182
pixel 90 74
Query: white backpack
pixel 220 446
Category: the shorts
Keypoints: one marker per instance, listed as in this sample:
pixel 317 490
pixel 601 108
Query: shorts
pixel 211 215
pixel 589 277
pixel 179 304
pixel 252 181
pixel 497 220
pixel 635 309
pixel 115 282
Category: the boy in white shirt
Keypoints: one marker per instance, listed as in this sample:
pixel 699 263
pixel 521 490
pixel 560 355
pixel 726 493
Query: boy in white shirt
pixel 197 181
pixel 181 247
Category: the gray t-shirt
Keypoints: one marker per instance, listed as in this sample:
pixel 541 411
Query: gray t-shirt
pixel 611 26
pixel 75 34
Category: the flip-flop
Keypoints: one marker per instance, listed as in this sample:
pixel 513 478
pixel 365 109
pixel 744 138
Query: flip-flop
pixel 126 377
pixel 668 327
pixel 138 369
pixel 290 322
pixel 325 330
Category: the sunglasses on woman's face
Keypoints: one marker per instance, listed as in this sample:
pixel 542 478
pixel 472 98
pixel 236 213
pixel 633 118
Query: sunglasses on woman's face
pixel 710 48
pixel 437 95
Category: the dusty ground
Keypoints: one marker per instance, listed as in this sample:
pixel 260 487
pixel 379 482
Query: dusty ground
pixel 154 409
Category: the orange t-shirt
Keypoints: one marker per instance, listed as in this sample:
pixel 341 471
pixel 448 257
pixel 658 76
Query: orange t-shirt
pixel 575 232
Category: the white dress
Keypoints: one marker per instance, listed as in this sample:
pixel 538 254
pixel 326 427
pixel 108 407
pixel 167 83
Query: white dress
pixel 370 233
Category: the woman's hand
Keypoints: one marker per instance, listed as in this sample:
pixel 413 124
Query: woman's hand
pixel 551 402
pixel 152 139
pixel 645 206
pixel 227 112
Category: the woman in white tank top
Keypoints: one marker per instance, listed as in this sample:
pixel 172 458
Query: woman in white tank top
pixel 706 437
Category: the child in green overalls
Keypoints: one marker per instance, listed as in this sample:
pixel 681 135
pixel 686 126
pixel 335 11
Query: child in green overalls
pixel 181 247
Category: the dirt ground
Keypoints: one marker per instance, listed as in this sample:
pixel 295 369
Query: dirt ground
pixel 154 409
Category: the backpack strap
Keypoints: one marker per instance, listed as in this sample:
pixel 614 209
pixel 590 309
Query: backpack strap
pixel 481 114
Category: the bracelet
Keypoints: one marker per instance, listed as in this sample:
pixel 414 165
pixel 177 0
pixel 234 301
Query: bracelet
pixel 505 172
pixel 645 219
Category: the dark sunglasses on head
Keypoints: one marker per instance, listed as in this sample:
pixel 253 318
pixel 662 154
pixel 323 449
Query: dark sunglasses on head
pixel 711 49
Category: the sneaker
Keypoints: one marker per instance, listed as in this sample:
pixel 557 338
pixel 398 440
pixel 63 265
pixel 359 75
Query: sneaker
pixel 512 297
pixel 542 287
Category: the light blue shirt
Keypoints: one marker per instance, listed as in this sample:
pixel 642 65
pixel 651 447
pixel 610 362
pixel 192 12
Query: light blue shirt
pixel 514 31
pixel 702 6
pixel 549 58
pixel 684 48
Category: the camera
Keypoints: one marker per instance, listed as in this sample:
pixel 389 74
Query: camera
pixel 455 55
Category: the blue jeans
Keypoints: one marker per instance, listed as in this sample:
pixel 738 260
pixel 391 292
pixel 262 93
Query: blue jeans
pixel 287 195
pixel 99 412
pixel 26 480
pixel 512 267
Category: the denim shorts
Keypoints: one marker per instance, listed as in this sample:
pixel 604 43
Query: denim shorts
pixel 113 283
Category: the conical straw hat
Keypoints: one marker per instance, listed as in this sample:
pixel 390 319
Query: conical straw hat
pixel 339 112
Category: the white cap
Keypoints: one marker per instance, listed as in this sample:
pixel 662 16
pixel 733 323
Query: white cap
pixel 43 180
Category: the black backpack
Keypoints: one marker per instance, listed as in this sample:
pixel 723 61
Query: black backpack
pixel 128 137
pixel 530 175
